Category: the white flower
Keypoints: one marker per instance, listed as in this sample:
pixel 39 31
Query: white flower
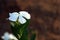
pixel 8 36
pixel 20 16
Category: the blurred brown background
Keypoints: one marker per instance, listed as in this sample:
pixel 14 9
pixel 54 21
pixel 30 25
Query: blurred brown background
pixel 45 20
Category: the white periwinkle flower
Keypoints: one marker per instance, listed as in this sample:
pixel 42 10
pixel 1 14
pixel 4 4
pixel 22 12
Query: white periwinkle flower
pixel 8 36
pixel 20 16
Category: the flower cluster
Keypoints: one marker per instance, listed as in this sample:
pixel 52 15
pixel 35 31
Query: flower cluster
pixel 19 16
pixel 19 22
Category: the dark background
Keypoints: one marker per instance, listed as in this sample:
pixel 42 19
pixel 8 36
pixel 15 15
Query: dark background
pixel 45 17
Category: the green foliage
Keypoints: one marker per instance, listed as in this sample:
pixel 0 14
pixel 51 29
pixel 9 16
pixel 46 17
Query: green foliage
pixel 24 36
pixel 20 31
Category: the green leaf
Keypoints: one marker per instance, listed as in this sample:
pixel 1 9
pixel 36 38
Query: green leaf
pixel 24 35
pixel 19 29
pixel 23 28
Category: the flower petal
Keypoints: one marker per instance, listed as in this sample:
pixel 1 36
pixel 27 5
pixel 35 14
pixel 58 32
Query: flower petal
pixel 25 14
pixel 13 16
pixel 11 36
pixel 21 20
pixel 6 36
